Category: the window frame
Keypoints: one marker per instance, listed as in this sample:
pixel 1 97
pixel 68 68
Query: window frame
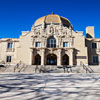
pixel 36 44
pixel 66 46
pixel 9 45
pixel 8 59
pixel 94 61
pixel 51 42
pixel 94 45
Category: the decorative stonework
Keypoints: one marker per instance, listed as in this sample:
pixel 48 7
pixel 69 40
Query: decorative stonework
pixel 33 45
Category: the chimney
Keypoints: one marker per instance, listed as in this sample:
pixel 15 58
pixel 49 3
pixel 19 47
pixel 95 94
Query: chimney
pixel 90 32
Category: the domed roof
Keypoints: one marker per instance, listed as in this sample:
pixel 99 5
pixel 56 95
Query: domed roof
pixel 52 18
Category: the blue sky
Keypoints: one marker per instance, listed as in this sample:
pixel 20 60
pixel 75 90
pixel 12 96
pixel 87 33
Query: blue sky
pixel 20 15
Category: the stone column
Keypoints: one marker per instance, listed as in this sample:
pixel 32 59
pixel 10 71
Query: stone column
pixel 42 56
pixel 31 55
pixel 71 57
pixel 59 58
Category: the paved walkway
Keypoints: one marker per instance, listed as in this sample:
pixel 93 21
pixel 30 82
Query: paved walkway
pixel 49 86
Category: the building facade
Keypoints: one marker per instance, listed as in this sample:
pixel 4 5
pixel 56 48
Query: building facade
pixel 52 41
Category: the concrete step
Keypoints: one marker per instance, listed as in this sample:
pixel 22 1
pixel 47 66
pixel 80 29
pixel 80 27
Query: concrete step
pixel 48 69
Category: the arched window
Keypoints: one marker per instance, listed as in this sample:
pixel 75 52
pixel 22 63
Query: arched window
pixel 51 42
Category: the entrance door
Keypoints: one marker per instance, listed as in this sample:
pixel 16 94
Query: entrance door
pixel 65 60
pixel 51 59
pixel 37 59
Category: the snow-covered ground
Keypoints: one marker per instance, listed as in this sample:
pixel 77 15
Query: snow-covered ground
pixel 58 86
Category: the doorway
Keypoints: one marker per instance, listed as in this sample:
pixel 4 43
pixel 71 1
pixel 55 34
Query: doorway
pixel 37 59
pixel 51 59
pixel 65 60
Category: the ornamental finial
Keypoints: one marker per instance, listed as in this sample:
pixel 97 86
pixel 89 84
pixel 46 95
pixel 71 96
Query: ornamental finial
pixel 52 13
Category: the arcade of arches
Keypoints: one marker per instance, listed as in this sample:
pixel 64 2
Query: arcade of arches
pixel 51 59
pixel 52 55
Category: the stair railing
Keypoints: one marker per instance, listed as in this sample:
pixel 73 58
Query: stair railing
pixel 86 68
pixel 43 69
pixel 22 68
pixel 17 65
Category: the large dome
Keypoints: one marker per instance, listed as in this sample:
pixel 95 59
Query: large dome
pixel 52 18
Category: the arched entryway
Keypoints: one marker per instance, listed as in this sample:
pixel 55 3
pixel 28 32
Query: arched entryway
pixel 65 60
pixel 51 59
pixel 37 59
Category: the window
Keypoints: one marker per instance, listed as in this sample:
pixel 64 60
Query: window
pixel 94 45
pixel 37 44
pixel 10 45
pixel 8 59
pixel 65 44
pixel 51 42
pixel 95 59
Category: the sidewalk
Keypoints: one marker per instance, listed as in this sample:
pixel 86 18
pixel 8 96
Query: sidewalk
pixel 49 86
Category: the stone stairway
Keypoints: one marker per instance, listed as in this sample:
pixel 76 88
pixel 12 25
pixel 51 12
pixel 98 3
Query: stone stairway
pixel 22 68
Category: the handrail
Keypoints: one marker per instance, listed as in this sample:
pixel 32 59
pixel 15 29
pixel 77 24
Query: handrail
pixel 21 68
pixel 43 69
pixel 91 69
pixel 68 67
pixel 17 65
pixel 87 69
pixel 36 68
